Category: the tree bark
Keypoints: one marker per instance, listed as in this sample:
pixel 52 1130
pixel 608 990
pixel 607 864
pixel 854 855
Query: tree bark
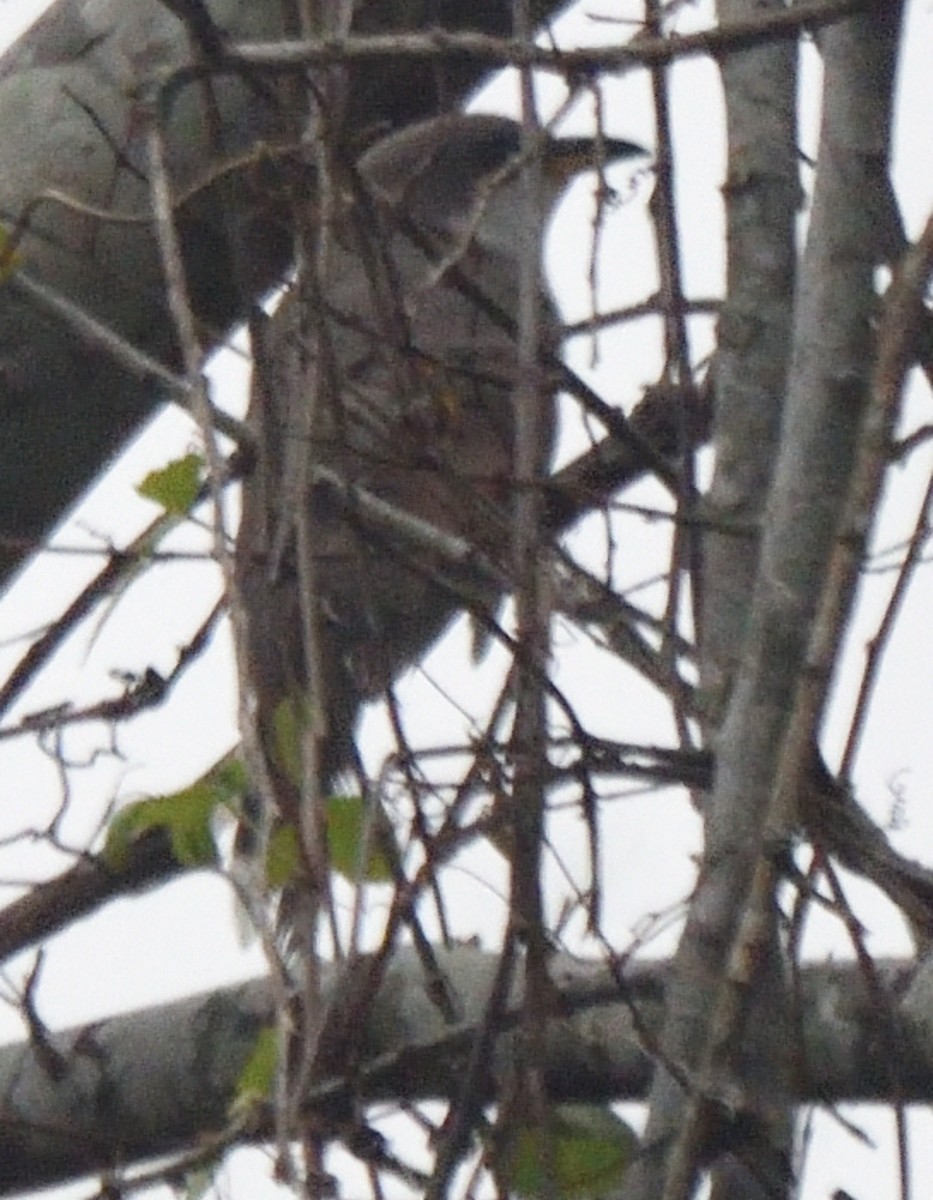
pixel 748 813
pixel 114 1093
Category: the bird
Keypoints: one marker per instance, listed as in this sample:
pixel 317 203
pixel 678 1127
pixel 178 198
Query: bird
pixel 390 370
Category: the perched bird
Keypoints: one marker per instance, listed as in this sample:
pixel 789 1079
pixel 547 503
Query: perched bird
pixel 393 370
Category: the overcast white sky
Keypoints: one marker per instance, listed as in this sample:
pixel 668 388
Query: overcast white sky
pixel 153 948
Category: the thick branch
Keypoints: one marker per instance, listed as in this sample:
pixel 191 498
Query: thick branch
pixel 158 1081
pixel 88 885
pixel 755 685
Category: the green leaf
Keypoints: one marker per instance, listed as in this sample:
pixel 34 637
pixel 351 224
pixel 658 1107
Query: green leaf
pixel 229 781
pixel 175 486
pixel 186 816
pixel 290 718
pixel 282 856
pixel 581 1152
pixel 347 823
pixel 256 1080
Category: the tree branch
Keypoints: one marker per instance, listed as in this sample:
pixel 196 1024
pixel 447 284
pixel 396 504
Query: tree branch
pixel 159 1080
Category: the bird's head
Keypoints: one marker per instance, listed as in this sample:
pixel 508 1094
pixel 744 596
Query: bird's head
pixel 462 172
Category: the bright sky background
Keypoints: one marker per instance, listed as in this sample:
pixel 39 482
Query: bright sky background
pixel 183 939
